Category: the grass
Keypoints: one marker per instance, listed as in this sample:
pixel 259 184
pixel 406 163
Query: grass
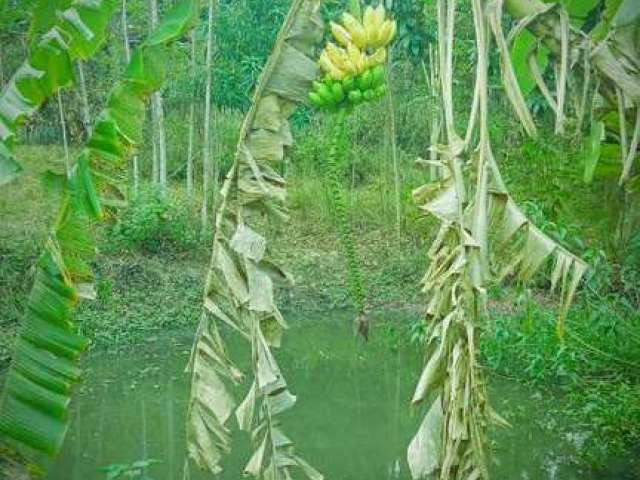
pixel 25 216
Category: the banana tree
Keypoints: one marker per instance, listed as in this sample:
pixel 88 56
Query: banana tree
pixel 599 58
pixel 75 33
pixel 484 237
pixel 239 287
pixel 43 371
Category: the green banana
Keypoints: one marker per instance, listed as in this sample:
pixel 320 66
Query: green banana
pixel 337 92
pixel 355 96
pixel 378 76
pixel 364 80
pixel 348 83
pixel 325 94
pixel 316 100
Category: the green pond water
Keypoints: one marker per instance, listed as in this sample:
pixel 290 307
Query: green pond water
pixel 352 420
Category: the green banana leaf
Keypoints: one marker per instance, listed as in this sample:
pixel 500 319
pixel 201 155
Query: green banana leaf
pixel 526 44
pixel 593 148
pixel 65 31
pixel 579 10
pixel 601 30
pixel 37 392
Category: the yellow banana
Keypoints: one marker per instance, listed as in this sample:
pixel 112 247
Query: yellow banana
pixel 385 34
pixel 340 34
pixel 392 33
pixel 379 15
pixel 373 19
pixel 378 58
pixel 327 65
pixel 340 58
pixel 356 58
pixel 367 18
pixel 355 29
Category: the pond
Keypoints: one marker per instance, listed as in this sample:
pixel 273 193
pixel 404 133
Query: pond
pixel 352 420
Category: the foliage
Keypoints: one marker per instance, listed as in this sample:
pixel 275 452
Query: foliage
pixel 76 33
pixel 596 367
pixel 561 206
pixel 36 394
pixel 413 37
pixel 154 222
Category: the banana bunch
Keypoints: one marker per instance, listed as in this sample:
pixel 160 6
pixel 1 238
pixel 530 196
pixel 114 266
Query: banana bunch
pixel 373 32
pixel 353 65
pixel 349 91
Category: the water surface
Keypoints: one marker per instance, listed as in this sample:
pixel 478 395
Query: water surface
pixel 352 420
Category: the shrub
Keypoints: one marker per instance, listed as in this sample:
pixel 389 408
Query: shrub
pixel 155 222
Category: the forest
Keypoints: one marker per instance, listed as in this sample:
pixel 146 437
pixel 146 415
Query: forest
pixel 320 239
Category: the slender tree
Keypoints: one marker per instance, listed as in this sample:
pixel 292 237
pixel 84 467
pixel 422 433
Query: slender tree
pixel 393 144
pixel 192 119
pixel 86 112
pixel 433 80
pixel 207 164
pixel 158 116
pixel 127 56
pixel 65 142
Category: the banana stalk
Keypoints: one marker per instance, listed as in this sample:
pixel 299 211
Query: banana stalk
pixel 355 283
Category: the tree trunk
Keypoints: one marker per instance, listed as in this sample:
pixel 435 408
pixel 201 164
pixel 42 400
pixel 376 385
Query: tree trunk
pixel 127 56
pixel 158 114
pixel 65 143
pixel 192 119
pixel 207 164
pixel 86 113
pixel 392 143
pixel 446 20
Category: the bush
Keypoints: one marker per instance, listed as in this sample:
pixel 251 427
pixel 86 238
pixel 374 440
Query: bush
pixel 155 222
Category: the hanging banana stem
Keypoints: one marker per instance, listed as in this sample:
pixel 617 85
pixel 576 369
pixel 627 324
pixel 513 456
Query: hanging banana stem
pixel 352 73
pixel 355 282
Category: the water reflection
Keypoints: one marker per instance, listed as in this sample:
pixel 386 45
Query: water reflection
pixel 352 420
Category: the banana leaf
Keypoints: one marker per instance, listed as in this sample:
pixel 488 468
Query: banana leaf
pixel 592 150
pixel 62 32
pixel 524 45
pixel 37 392
pixel 239 291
